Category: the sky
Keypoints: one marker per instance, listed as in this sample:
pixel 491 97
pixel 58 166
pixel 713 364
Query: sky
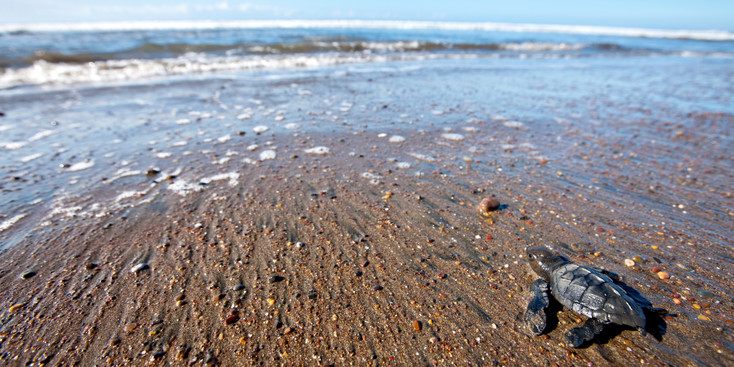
pixel 667 14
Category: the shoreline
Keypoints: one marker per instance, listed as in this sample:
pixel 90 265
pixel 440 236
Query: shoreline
pixel 373 252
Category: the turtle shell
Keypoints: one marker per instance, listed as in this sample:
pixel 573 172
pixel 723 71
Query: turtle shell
pixel 593 294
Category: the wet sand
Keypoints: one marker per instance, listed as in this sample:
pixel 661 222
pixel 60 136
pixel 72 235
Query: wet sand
pixel 373 252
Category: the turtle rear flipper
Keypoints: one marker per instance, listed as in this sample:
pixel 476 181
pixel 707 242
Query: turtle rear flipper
pixel 535 316
pixel 577 336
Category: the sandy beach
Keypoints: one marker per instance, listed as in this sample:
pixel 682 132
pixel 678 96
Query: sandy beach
pixel 332 218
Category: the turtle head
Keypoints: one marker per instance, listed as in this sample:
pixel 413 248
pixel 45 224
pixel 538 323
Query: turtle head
pixel 542 261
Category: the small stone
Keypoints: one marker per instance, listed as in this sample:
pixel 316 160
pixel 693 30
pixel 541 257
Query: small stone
pixel 27 274
pixel 705 294
pixel 16 307
pixel 182 352
pixel 637 259
pixel 365 264
pixel 377 288
pixel 417 325
pixel 312 295
pixel 157 355
pixel 656 269
pixel 488 205
pixel 238 287
pixel 152 172
pixel 629 262
pixel 663 275
pixel 140 267
pixel 114 342
pixel 275 279
pixel 704 318
pixel 677 301
pixel 232 318
pixel 131 327
pixel 358 273
pixel 441 276
pixel 433 340
pixel 91 266
pixel 271 301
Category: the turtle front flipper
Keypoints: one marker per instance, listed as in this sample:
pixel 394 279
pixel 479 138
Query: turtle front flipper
pixel 535 316
pixel 586 332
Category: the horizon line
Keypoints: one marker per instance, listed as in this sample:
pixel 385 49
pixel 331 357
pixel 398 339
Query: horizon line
pixel 709 35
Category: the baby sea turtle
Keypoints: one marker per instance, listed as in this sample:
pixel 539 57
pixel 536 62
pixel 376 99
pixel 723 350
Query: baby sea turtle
pixel 592 292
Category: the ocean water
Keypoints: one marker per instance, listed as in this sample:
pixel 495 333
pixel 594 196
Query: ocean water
pixel 71 54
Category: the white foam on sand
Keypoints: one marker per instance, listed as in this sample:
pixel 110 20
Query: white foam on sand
pixel 246 114
pixel 184 188
pixel 397 139
pixel 317 150
pixel 514 124
pixel 163 155
pixel 81 165
pixel 452 136
pixel 12 145
pixel 222 160
pixel 422 157
pixel 374 178
pixel 129 194
pixel 10 222
pixel 231 177
pixel 123 172
pixel 183 121
pixel 259 129
pixel 268 155
pixel 402 165
pixel 224 139
pixel 291 126
pixel 40 135
pixel 31 157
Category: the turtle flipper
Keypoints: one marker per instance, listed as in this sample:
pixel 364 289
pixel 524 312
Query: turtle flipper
pixel 586 332
pixel 535 316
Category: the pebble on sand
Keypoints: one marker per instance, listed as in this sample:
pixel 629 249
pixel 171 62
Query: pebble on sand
pixel 663 275
pixel 488 205
pixel 16 307
pixel 417 325
pixel 140 267
pixel 27 274
pixel 232 317
pixel 629 262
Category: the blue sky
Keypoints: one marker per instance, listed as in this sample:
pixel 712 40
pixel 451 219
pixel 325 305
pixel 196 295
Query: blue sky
pixel 672 14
